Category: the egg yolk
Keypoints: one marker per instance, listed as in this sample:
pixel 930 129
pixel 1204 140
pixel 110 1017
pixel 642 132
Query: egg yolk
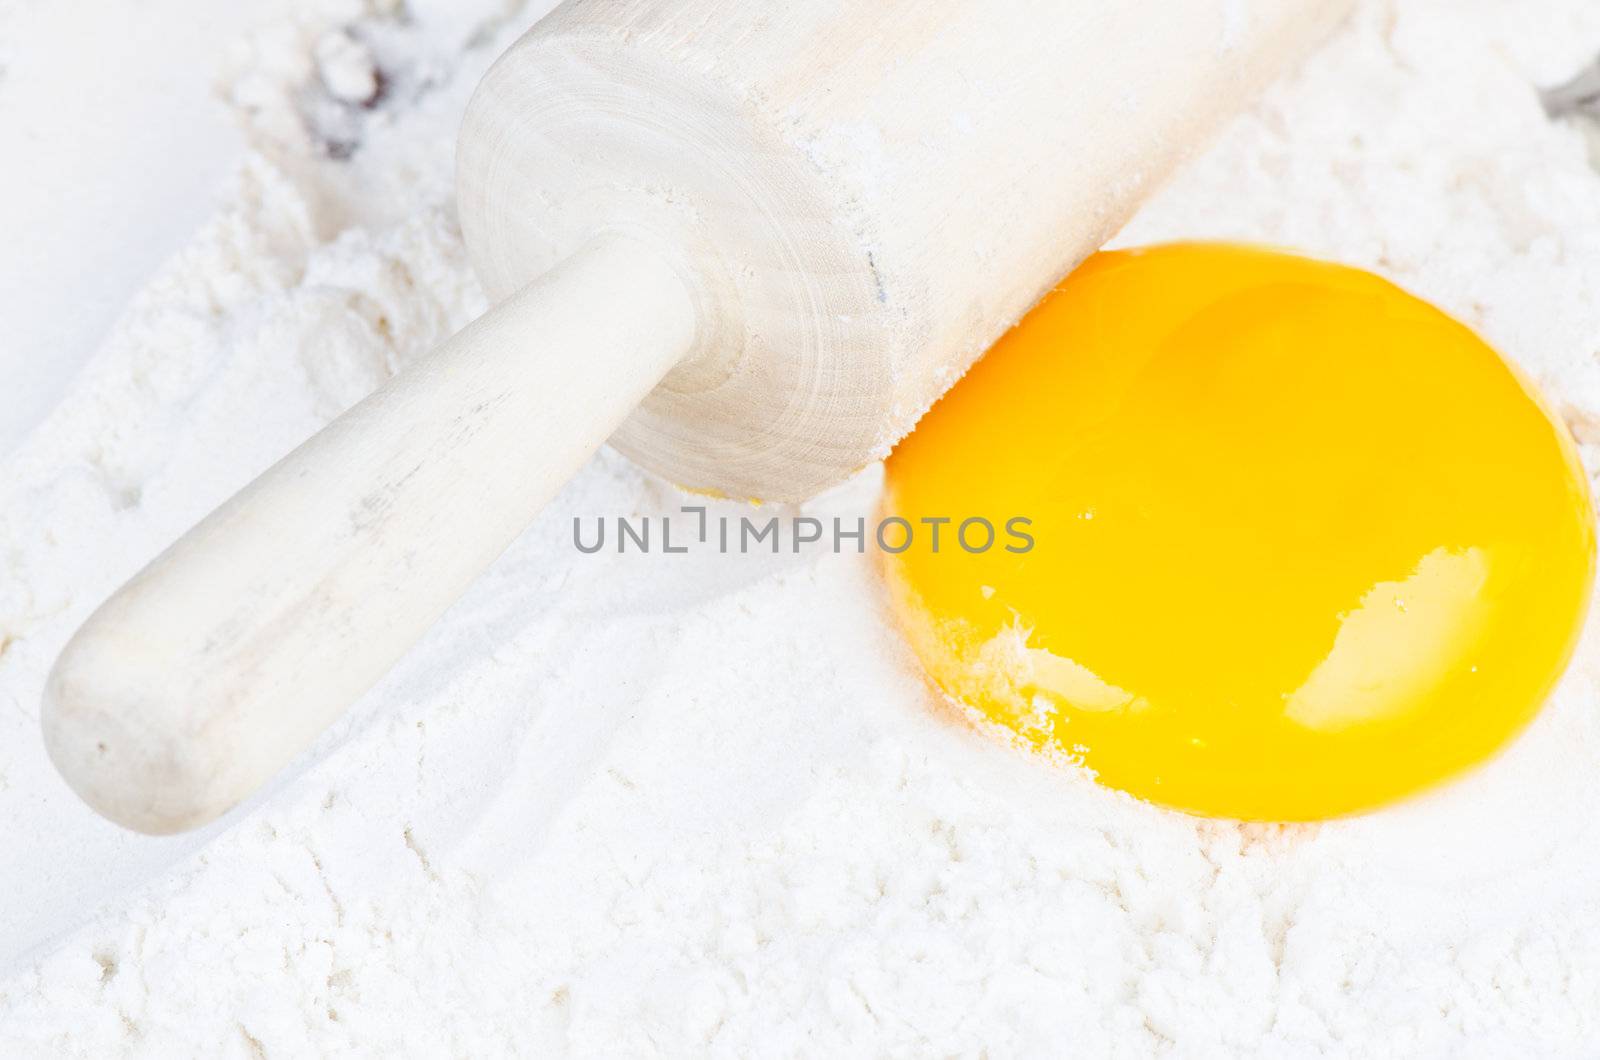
pixel 1284 541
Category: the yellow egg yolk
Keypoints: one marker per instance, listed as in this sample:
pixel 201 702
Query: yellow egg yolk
pixel 1285 542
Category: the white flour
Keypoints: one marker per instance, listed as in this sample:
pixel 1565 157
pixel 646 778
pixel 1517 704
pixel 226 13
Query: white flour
pixel 621 805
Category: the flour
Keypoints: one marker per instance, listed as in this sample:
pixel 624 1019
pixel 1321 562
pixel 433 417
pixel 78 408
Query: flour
pixel 636 804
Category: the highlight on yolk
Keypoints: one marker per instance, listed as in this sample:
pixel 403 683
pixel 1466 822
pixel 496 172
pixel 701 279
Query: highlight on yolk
pixel 1301 543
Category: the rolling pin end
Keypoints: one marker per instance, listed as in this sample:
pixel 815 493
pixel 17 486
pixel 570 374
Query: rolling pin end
pixel 97 731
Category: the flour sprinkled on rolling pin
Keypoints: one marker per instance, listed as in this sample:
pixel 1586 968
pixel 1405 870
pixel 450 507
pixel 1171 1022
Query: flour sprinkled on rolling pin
pixel 748 245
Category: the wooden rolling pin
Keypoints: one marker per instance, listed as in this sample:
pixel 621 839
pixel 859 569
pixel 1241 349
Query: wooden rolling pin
pixel 748 243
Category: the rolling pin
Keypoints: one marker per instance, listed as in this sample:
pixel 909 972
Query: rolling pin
pixel 747 243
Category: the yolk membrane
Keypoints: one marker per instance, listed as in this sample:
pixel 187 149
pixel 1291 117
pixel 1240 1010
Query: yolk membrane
pixel 1301 544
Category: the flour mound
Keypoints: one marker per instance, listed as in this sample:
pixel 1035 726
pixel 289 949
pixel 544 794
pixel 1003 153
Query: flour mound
pixel 637 805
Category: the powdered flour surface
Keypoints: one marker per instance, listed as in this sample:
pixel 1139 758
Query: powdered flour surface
pixel 646 804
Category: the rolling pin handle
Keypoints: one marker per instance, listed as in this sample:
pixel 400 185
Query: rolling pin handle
pixel 225 657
